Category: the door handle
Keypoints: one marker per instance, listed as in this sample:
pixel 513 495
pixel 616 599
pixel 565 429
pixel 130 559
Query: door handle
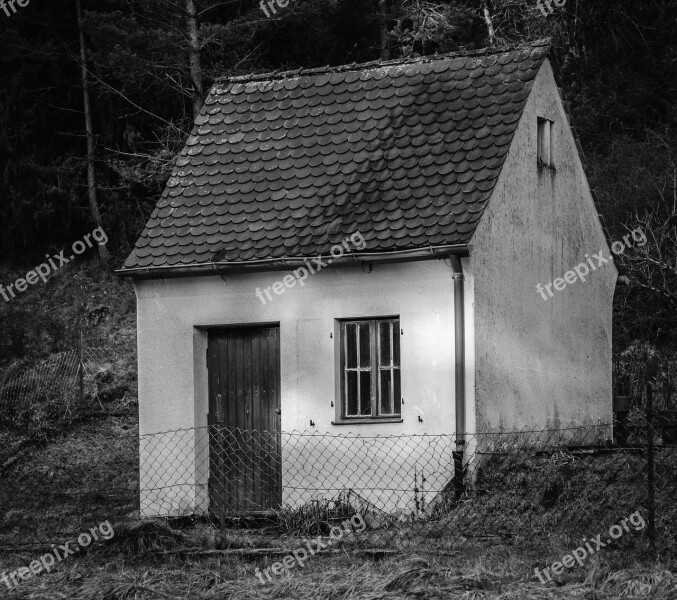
pixel 219 409
pixel 278 411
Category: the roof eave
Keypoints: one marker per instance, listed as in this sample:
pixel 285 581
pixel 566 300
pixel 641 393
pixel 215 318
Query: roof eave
pixel 288 263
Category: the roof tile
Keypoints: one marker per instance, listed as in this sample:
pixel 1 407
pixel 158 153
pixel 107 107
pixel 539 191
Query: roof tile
pixel 406 152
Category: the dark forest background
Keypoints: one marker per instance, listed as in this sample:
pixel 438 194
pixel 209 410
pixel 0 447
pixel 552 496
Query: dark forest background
pixel 151 62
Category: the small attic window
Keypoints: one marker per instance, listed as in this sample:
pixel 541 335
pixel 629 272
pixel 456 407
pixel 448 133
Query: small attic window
pixel 545 142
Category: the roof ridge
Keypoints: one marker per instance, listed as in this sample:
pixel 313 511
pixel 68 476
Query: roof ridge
pixel 293 73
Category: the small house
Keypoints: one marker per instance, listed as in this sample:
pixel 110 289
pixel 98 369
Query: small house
pixel 352 268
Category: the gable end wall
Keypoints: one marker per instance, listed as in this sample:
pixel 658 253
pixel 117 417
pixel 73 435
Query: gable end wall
pixel 541 363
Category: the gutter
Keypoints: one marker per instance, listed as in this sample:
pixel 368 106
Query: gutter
pixel 289 263
pixel 459 378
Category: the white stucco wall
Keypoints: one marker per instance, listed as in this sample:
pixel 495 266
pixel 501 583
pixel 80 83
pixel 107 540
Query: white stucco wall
pixel 173 318
pixel 541 363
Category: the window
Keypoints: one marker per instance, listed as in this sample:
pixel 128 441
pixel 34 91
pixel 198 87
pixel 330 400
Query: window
pixel 545 143
pixel 370 369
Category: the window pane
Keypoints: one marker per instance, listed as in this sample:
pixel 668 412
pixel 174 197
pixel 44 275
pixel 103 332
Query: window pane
pixel 351 345
pixel 544 141
pixel 365 392
pixel 385 400
pixel 384 342
pixel 351 394
pixel 363 369
pixel 365 348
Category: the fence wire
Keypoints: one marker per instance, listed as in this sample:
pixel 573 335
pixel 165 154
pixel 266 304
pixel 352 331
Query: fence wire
pixel 39 389
pixel 514 484
pixel 50 392
pixel 568 482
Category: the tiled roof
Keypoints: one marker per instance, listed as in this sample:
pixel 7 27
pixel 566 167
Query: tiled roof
pixel 287 165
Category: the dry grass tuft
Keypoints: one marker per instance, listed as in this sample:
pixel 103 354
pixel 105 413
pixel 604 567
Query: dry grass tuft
pixel 147 535
pixel 143 585
pixel 656 583
pixel 117 590
pixel 418 570
pixel 480 577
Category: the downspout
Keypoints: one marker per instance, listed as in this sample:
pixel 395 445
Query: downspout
pixel 459 378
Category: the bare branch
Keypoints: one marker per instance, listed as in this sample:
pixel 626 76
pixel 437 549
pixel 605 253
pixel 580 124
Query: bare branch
pixel 134 104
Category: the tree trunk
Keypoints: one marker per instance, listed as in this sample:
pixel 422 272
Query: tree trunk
pixel 91 173
pixel 487 20
pixel 194 52
pixel 383 25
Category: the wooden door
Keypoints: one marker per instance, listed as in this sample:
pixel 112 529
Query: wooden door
pixel 244 420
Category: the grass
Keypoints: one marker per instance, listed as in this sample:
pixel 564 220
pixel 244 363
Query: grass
pixel 48 317
pixel 482 572
pixel 77 480
pixel 314 518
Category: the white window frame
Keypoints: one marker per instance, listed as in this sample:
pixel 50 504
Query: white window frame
pixel 375 368
pixel 545 142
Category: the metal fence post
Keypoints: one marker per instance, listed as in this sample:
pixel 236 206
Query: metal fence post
pixel 650 466
pixel 459 483
pixel 81 369
pixel 621 409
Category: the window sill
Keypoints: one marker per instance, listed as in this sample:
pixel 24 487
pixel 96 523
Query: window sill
pixel 368 421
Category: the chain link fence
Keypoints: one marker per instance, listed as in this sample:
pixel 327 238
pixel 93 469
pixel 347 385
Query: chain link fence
pixel 567 482
pixel 284 486
pixel 52 391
